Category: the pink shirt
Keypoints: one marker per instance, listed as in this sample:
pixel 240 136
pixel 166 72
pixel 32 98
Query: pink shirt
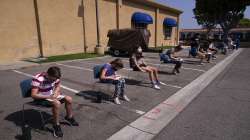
pixel 45 87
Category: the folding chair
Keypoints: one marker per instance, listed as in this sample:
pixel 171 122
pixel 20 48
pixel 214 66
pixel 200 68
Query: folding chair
pixel 25 86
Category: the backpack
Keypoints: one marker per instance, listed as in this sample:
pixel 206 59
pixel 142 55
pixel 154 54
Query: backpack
pixel 25 86
pixel 97 71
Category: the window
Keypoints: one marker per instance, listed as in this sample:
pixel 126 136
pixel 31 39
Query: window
pixel 139 25
pixel 167 32
pixel 182 36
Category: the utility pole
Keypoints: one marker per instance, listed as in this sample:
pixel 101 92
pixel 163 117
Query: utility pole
pixel 40 44
pixel 97 24
pixel 99 49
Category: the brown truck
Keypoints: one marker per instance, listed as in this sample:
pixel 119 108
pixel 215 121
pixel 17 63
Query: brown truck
pixel 126 41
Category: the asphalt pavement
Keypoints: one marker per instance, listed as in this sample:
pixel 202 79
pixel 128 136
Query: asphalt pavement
pixel 221 111
pixel 98 121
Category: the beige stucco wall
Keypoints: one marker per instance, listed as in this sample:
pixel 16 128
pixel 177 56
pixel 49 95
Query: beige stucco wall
pixel 61 24
pixel 126 11
pixel 107 13
pixel 61 27
pixel 18 36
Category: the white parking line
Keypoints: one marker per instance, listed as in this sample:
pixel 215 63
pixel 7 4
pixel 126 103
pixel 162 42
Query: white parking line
pixel 164 65
pixel 22 73
pixel 75 67
pixel 64 87
pixel 76 91
pixel 131 110
pixel 169 85
pixel 129 69
pixel 185 68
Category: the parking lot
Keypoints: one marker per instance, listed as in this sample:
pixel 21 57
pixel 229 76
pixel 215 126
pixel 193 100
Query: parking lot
pixel 97 120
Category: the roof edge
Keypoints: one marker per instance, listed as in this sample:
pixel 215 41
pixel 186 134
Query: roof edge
pixel 158 5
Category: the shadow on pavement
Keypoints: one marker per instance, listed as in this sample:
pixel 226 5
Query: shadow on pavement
pixel 95 96
pixel 192 62
pixel 165 72
pixel 32 122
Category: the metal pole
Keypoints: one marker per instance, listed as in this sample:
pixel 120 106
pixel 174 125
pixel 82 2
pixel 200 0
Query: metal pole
pixel 84 30
pixel 156 23
pixel 38 29
pixel 97 24
pixel 177 30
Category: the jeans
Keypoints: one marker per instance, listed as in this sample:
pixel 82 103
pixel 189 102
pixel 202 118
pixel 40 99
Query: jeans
pixel 119 86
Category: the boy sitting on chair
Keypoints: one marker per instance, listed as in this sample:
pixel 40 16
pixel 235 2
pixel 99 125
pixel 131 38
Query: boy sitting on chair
pixel 168 56
pixel 196 50
pixel 46 91
pixel 108 75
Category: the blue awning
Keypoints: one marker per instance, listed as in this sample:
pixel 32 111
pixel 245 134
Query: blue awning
pixel 139 17
pixel 170 22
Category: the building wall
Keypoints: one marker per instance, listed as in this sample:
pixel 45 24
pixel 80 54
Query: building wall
pixel 61 27
pixel 126 11
pixel 107 14
pixel 18 36
pixel 160 36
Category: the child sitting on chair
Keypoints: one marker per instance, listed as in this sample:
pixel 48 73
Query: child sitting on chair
pixel 196 50
pixel 46 91
pixel 108 75
pixel 168 56
pixel 138 64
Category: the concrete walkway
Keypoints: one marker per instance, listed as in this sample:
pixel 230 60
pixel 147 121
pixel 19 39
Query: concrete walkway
pixel 16 65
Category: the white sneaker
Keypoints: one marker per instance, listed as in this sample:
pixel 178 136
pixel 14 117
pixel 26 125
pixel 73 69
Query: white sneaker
pixel 126 98
pixel 156 87
pixel 117 101
pixel 174 72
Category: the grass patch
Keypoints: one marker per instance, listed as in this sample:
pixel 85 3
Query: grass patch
pixel 158 48
pixel 65 57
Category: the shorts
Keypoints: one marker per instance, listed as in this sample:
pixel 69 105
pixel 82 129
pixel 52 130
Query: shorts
pixel 46 103
pixel 136 69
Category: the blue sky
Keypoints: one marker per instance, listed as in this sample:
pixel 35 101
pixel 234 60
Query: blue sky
pixel 187 6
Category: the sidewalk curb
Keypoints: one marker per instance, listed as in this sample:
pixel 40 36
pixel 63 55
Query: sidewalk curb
pixel 17 65
pixel 151 123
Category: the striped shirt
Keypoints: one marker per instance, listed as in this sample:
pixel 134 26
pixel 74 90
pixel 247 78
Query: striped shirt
pixel 45 87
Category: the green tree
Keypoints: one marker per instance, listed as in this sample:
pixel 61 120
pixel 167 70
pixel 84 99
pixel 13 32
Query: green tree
pixel 245 22
pixel 226 13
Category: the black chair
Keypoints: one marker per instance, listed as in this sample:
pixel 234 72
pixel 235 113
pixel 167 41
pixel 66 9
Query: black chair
pixel 25 86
